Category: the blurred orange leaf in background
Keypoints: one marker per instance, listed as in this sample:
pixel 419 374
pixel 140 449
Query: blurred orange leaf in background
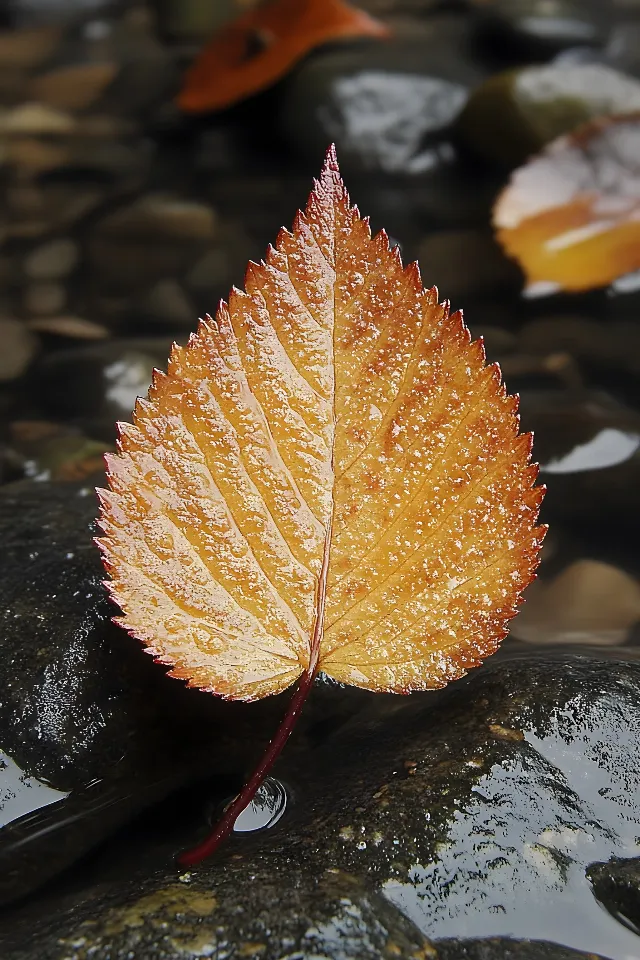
pixel 261 46
pixel 571 215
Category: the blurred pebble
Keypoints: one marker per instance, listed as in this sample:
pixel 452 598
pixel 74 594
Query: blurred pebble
pixel 43 299
pixel 73 88
pixel 34 156
pixel 35 210
pixel 27 49
pixel 36 119
pixel 387 106
pixel 19 347
pixel 210 271
pixel 74 328
pixel 52 261
pixel 513 114
pixel 159 215
pixel 147 69
pixel 588 602
pixel 623 48
pixel 152 239
pixel 168 304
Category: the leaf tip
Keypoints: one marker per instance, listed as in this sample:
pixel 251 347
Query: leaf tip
pixel 331 160
pixel 330 181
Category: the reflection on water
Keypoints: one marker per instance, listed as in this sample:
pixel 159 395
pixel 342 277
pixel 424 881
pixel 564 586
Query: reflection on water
pixel 608 448
pixel 266 808
pixel 480 884
pixel 21 794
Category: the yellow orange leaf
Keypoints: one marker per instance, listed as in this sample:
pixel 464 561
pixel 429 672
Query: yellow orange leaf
pixel 571 216
pixel 327 477
pixel 258 48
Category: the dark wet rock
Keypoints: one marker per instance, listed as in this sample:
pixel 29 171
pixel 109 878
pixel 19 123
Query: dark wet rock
pixel 538 29
pixel 82 710
pixel 154 238
pixel 616 884
pixel 514 114
pixel 19 346
pixel 455 195
pixel 99 382
pixel 589 449
pixel 31 157
pixel 504 948
pixel 338 918
pixel 387 106
pixel 467 264
pixel 69 716
pixel 439 828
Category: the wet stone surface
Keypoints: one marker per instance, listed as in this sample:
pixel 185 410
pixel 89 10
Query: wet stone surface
pixel 388 107
pixel 616 884
pixel 82 710
pixel 418 831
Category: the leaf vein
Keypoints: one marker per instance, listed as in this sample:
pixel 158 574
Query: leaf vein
pixel 430 536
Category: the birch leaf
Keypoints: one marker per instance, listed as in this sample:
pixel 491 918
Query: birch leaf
pixel 328 477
